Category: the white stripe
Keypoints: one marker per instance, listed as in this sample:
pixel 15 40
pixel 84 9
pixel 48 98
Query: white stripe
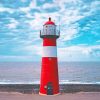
pixel 49 51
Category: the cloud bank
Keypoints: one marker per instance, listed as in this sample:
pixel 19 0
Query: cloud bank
pixel 79 23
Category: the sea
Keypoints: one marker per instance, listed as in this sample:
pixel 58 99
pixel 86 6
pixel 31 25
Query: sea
pixel 69 72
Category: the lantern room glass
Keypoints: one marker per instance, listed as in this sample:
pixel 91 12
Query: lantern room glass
pixel 49 30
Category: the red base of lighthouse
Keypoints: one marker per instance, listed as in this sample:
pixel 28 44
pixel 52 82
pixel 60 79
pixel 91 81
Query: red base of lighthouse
pixel 49 74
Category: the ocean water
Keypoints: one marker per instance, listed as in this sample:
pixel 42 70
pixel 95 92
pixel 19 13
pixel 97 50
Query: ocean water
pixel 69 72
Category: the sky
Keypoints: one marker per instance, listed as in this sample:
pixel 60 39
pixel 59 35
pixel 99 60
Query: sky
pixel 21 21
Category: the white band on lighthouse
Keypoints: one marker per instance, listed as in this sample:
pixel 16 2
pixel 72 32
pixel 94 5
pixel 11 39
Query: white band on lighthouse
pixel 49 51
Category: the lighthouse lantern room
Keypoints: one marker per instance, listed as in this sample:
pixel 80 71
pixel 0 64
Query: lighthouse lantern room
pixel 49 30
pixel 49 83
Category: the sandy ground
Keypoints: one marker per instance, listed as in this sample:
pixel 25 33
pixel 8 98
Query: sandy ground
pixel 69 96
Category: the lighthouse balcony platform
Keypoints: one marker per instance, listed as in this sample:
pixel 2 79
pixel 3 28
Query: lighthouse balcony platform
pixel 49 35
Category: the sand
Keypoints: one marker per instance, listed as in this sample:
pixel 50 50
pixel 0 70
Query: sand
pixel 64 88
pixel 64 96
pixel 68 92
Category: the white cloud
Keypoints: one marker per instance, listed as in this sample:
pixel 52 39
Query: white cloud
pixel 13 23
pixel 23 0
pixel 32 5
pixel 71 53
pixel 26 10
pixel 16 58
pixel 69 33
pixel 70 12
pixel 3 9
pixel 34 24
pixel 40 18
pixel 62 2
pixel 49 5
pixel 67 3
pixel 67 17
pixel 95 6
pixel 77 53
pixel 32 50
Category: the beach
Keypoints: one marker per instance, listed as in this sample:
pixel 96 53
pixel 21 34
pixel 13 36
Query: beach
pixel 64 96
pixel 67 92
pixel 64 88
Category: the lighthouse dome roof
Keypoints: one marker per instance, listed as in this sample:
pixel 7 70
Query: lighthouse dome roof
pixel 49 22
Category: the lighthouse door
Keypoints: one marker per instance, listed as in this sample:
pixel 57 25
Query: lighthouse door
pixel 49 88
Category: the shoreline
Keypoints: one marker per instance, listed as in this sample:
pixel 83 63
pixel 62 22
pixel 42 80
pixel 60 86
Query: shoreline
pixel 64 88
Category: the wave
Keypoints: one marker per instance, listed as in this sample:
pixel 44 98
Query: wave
pixel 38 82
pixel 76 82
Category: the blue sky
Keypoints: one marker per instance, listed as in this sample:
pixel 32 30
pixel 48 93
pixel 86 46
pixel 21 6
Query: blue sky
pixel 21 20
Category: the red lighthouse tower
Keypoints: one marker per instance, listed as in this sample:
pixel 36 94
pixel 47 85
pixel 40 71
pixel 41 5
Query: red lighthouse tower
pixel 49 84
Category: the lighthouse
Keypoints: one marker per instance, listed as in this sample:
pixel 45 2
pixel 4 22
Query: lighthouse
pixel 49 82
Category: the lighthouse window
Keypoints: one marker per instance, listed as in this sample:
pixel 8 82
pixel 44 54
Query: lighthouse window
pixel 49 29
pixel 46 31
